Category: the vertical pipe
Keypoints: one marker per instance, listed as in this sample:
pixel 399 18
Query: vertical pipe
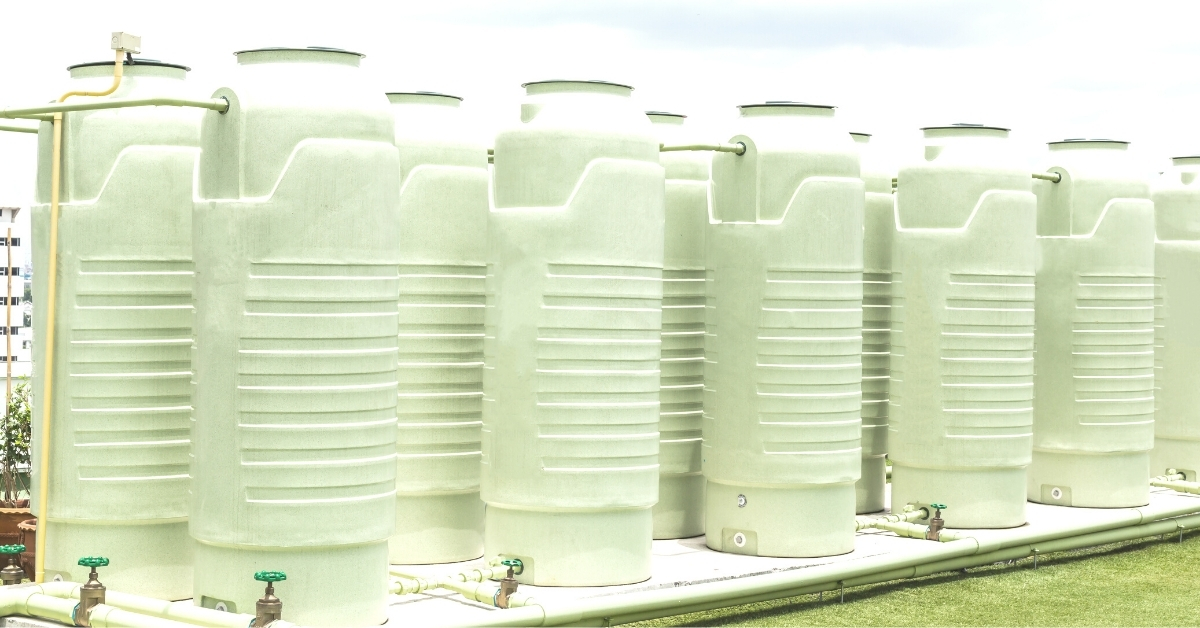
pixel 39 553
pixel 39 559
pixel 8 343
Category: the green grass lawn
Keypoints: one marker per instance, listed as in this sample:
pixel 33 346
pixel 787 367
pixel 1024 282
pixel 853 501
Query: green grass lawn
pixel 1138 583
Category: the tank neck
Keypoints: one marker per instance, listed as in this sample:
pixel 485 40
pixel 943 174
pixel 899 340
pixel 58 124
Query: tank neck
pixel 673 119
pixel 976 131
pixel 1106 145
pixel 424 98
pixel 1185 161
pixel 105 70
pixel 328 56
pixel 577 87
pixel 794 110
pixel 861 138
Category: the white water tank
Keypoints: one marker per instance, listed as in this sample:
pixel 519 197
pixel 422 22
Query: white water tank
pixel 783 369
pixel 1176 197
pixel 961 410
pixel 879 227
pixel 297 244
pixel 680 509
pixel 1093 420
pixel 443 235
pixel 574 317
pixel 122 411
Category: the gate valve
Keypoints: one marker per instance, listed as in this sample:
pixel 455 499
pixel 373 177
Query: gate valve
pixel 269 608
pixel 91 594
pixel 508 584
pixel 935 523
pixel 12 574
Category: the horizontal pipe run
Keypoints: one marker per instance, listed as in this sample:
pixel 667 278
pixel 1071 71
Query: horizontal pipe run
pixel 865 522
pixel 1052 177
pixel 219 105
pixel 614 609
pixel 1179 486
pixel 106 616
pixel 737 149
pixel 16 128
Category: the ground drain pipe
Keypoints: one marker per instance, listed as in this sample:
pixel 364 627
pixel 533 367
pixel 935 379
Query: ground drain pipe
pixel 956 551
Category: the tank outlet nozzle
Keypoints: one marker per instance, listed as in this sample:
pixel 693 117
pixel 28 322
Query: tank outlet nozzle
pixel 91 594
pixel 936 523
pixel 268 608
pixel 508 584
pixel 12 574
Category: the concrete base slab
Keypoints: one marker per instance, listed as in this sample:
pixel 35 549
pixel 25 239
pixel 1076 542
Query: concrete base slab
pixel 685 562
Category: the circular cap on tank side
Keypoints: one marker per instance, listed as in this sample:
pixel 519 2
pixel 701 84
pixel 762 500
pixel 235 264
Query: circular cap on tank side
pixel 665 113
pixel 136 61
pixel 435 94
pixel 306 49
pixel 596 82
pixel 965 125
pixel 1087 140
pixel 786 103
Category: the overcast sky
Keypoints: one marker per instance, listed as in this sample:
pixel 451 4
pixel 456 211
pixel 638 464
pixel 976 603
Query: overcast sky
pixel 1048 70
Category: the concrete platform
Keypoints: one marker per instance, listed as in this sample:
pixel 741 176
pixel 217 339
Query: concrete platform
pixel 684 562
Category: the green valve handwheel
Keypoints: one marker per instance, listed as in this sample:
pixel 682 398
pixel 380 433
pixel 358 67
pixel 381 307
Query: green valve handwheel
pixel 270 576
pixel 93 561
pixel 11 549
pixel 515 563
pixel 938 506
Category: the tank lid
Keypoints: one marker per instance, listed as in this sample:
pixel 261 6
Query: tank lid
pixel 786 103
pixel 306 49
pixel 438 94
pixel 965 125
pixel 665 113
pixel 597 82
pixel 1086 140
pixel 128 62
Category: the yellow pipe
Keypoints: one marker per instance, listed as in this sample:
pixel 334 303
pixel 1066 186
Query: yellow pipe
pixel 39 574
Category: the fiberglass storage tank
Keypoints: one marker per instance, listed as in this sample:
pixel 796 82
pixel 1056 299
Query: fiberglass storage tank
pixel 961 409
pixel 443 234
pixel 680 509
pixel 122 369
pixel 784 336
pixel 879 227
pixel 570 409
pixel 297 242
pixel 1176 198
pixel 1093 420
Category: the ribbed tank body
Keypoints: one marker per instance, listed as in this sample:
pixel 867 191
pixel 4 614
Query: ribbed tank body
pixel 121 416
pixel 1094 408
pixel 443 235
pixel 572 347
pixel 783 375
pixel 680 509
pixel 961 409
pixel 1176 197
pixel 297 238
pixel 879 228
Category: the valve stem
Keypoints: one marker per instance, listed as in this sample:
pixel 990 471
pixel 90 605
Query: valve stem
pixel 13 573
pixel 508 584
pixel 91 594
pixel 268 608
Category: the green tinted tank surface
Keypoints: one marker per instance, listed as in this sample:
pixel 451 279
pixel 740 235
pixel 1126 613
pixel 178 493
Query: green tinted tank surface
pixel 443 231
pixel 680 509
pixel 297 241
pixel 122 380
pixel 782 377
pixel 1176 198
pixel 571 382
pixel 961 409
pixel 879 227
pixel 1093 422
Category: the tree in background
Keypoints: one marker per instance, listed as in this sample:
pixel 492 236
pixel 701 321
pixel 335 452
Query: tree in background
pixel 14 451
